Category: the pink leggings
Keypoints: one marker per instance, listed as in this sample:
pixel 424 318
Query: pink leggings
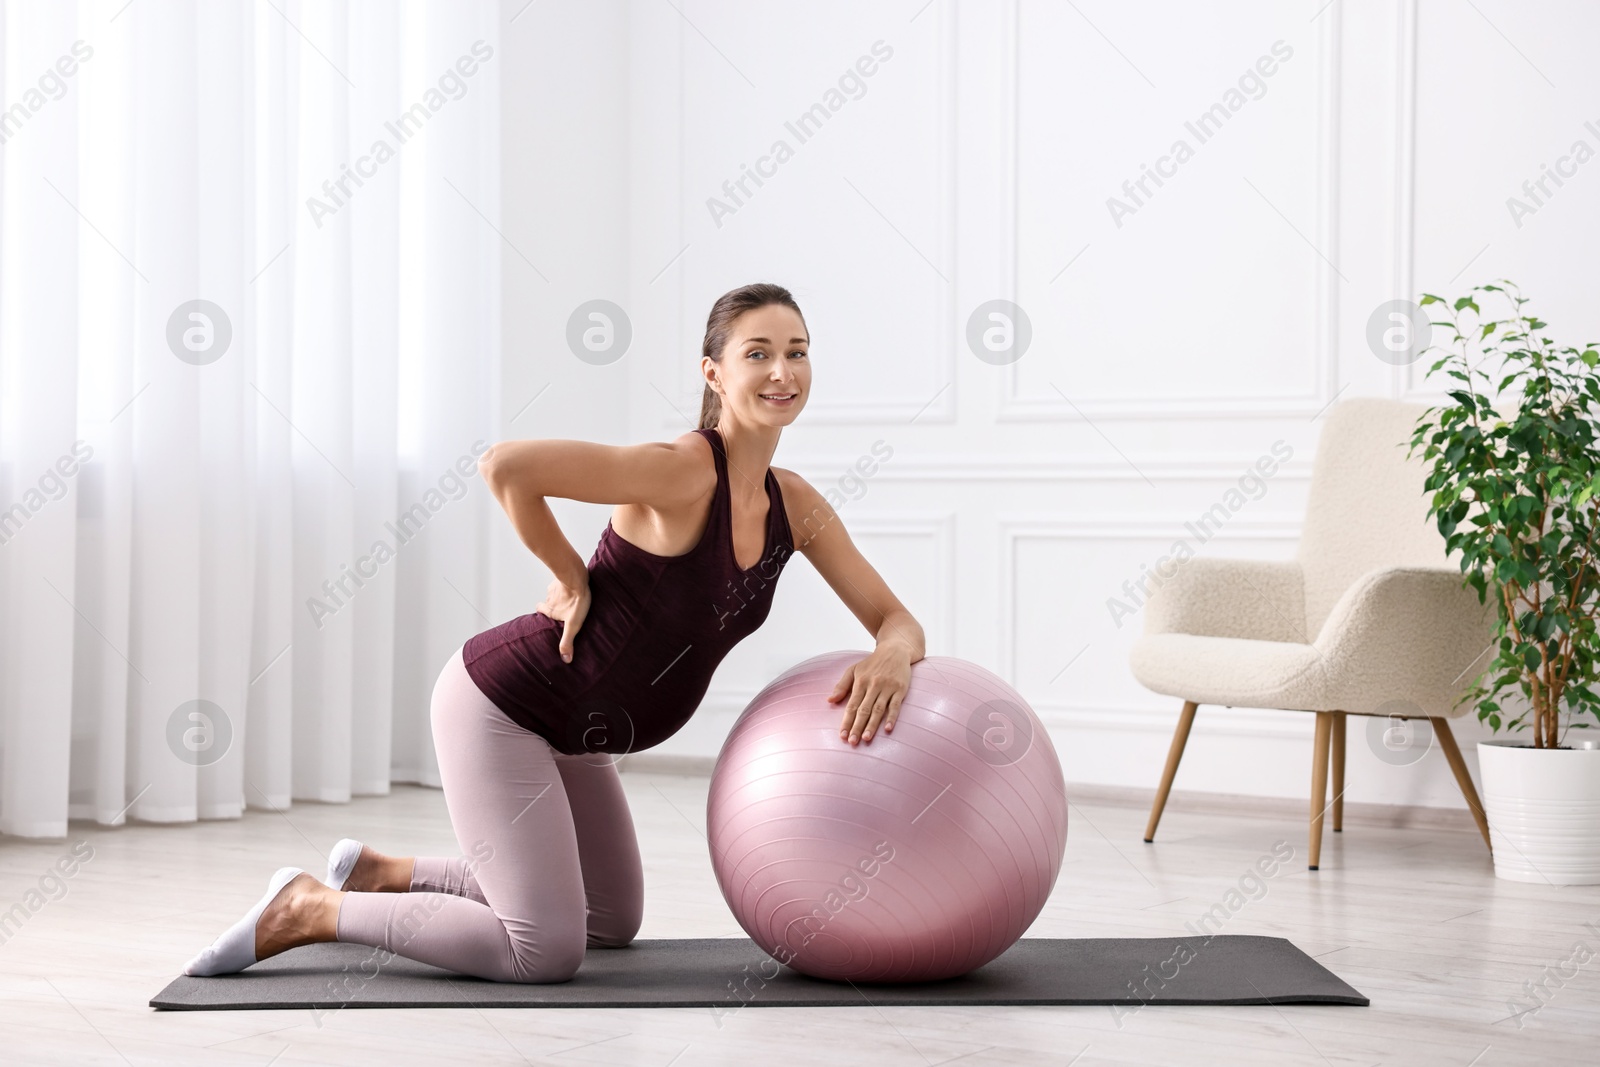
pixel 550 866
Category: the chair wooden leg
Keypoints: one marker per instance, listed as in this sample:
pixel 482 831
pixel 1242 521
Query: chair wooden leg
pixel 1338 771
pixel 1447 741
pixel 1180 737
pixel 1319 782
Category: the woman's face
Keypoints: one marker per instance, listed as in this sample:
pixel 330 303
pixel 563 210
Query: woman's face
pixel 766 357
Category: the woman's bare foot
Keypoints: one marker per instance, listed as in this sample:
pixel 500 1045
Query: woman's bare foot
pixel 305 912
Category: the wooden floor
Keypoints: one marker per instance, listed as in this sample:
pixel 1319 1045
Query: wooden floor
pixel 1414 919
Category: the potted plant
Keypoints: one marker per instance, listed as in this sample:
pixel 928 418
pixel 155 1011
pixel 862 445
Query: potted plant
pixel 1519 496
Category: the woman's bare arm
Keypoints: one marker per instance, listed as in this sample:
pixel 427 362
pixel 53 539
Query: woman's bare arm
pixel 521 473
pixel 820 536
pixel 876 685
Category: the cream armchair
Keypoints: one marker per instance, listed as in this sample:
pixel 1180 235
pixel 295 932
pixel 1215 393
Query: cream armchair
pixel 1369 619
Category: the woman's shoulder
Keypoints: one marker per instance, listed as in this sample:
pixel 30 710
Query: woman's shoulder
pixel 652 526
pixel 695 441
pixel 804 507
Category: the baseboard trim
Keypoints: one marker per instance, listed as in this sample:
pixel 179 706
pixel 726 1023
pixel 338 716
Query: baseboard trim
pixel 1356 813
pixel 666 763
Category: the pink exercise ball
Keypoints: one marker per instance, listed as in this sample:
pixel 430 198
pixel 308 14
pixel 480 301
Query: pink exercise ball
pixel 918 856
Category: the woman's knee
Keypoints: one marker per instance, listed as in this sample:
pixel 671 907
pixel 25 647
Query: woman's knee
pixel 616 929
pixel 612 938
pixel 553 958
pixel 598 941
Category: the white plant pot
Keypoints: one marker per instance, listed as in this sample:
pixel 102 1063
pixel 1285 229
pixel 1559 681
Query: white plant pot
pixel 1543 806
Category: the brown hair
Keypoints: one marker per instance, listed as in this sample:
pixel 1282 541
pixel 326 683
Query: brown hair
pixel 719 324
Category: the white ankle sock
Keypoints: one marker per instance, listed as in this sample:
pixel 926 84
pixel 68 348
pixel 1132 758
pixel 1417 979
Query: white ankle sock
pixel 236 948
pixel 342 862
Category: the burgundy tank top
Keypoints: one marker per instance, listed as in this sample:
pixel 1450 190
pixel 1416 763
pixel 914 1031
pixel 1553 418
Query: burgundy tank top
pixel 656 629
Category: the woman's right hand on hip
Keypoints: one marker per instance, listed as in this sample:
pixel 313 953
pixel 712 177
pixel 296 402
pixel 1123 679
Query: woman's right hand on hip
pixel 569 605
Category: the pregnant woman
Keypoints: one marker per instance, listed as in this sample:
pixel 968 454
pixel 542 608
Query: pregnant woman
pixel 528 717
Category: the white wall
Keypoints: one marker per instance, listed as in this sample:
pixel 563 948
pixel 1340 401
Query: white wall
pixel 564 222
pixel 1169 352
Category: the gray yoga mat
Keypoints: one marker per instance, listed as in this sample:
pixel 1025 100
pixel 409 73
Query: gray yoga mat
pixel 731 972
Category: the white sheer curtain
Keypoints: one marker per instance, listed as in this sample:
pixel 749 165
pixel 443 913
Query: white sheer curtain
pixel 239 538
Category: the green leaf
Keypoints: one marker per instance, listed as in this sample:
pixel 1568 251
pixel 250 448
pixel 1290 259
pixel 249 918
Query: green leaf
pixel 1467 302
pixel 1429 298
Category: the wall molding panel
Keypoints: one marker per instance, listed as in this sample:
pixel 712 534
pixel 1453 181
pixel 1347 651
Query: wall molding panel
pixel 925 409
pixel 1001 484
pixel 1322 363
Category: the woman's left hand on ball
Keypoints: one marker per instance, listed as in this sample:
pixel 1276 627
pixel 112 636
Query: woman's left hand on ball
pixel 876 686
